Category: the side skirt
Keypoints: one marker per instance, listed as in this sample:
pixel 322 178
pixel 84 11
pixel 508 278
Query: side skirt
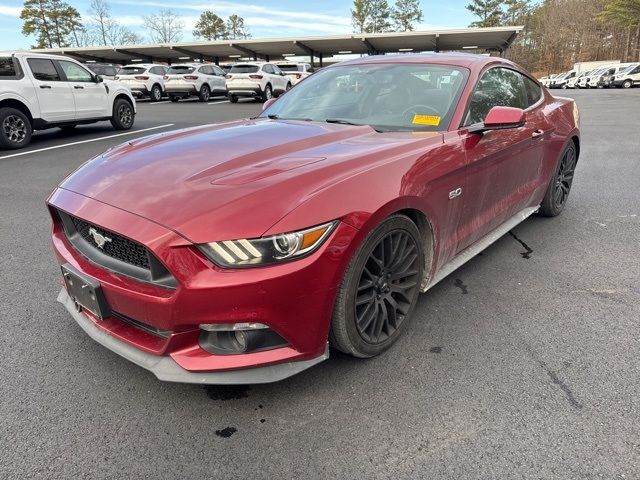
pixel 473 250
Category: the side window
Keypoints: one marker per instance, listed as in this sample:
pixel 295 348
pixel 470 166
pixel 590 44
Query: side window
pixel 43 69
pixel 156 71
pixel 533 91
pixel 498 87
pixel 276 70
pixel 74 72
pixel 635 70
pixel 267 68
pixel 218 71
pixel 10 69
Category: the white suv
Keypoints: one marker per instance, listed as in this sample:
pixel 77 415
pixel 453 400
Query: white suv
pixel 295 71
pixel 40 91
pixel 256 79
pixel 203 81
pixel 143 79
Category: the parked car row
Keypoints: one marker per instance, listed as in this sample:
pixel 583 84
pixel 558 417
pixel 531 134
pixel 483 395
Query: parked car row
pixel 259 80
pixel 620 75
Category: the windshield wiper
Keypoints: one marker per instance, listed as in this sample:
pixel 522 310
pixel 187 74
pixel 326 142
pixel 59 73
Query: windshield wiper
pixel 342 121
pixel 275 116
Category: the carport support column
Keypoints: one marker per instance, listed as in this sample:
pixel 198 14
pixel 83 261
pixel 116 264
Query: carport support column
pixel 320 57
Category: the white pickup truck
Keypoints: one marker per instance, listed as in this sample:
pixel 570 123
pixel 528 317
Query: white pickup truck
pixel 39 91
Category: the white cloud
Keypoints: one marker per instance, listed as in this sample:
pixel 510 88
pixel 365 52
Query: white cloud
pixel 10 11
pixel 228 8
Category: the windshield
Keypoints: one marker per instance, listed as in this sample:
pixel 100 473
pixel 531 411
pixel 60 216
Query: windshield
pixel 628 69
pixel 132 70
pixel 244 69
pixel 388 97
pixel 180 70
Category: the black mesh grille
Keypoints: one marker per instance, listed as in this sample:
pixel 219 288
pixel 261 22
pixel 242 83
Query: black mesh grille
pixel 114 245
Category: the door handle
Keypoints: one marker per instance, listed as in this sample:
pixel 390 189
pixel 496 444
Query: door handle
pixel 78 87
pixel 537 134
pixel 45 86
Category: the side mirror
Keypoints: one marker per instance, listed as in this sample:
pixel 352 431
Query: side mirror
pixel 500 118
pixel 98 79
pixel 268 103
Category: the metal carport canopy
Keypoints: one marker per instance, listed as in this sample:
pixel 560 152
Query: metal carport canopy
pixel 495 38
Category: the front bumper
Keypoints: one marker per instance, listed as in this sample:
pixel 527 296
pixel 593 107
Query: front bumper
pixel 294 299
pixel 165 368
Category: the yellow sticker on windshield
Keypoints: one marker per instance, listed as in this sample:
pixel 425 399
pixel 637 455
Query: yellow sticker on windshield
pixel 432 120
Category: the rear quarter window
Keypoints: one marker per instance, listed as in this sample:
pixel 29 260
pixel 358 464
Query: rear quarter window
pixel 534 92
pixel 9 69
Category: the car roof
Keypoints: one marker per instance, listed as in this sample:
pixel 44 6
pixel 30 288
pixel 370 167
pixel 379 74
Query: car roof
pixel 28 53
pixel 450 58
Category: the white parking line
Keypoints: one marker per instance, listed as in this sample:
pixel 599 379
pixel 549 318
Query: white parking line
pixel 86 141
pixel 158 103
pixel 221 101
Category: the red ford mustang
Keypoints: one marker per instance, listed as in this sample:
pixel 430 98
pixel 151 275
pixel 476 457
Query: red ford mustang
pixel 238 252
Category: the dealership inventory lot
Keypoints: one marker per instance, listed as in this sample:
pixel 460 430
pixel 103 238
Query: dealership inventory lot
pixel 521 363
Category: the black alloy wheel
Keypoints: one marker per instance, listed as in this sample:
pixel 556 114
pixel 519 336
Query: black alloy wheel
pixel 386 287
pixel 557 193
pixel 380 288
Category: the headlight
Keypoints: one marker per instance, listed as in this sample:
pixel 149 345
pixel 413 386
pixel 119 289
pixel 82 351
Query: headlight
pixel 267 250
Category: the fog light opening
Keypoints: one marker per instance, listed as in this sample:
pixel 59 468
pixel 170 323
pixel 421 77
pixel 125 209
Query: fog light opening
pixel 235 338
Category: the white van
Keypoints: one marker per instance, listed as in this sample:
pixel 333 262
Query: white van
pixel 628 77
pixel 561 80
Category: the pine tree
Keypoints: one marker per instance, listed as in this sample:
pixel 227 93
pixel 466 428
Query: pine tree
pixel 36 22
pixel 516 11
pixel 489 11
pixel 405 13
pixel 210 27
pixel 380 17
pixel 236 28
pixel 360 15
pixel 54 22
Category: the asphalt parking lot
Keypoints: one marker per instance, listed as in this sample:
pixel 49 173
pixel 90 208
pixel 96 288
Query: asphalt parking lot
pixel 522 364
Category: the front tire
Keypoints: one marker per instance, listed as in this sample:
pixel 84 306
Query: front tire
pixel 15 129
pixel 123 115
pixel 233 98
pixel 156 93
pixel 380 288
pixel 559 187
pixel 174 98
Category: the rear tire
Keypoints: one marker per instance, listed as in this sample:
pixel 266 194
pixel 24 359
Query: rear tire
pixel 15 129
pixel 205 93
pixel 627 84
pixel 156 93
pixel 123 115
pixel 380 288
pixel 559 187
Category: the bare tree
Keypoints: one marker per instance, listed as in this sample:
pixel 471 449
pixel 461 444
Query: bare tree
pixel 165 27
pixel 105 28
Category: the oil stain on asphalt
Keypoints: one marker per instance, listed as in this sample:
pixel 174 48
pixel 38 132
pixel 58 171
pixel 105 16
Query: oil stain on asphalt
pixel 435 349
pixel 226 432
pixel 227 392
pixel 460 284
pixel 527 249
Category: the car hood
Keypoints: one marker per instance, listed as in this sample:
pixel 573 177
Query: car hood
pixel 234 180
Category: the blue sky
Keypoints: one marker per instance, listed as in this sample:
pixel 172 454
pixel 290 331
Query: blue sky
pixel 264 18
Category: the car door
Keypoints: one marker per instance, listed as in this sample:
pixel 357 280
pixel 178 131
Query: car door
pixel 91 98
pixel 218 80
pixel 55 96
pixel 503 165
pixel 281 79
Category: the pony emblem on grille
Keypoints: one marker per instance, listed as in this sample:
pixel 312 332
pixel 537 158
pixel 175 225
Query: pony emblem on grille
pixel 99 238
